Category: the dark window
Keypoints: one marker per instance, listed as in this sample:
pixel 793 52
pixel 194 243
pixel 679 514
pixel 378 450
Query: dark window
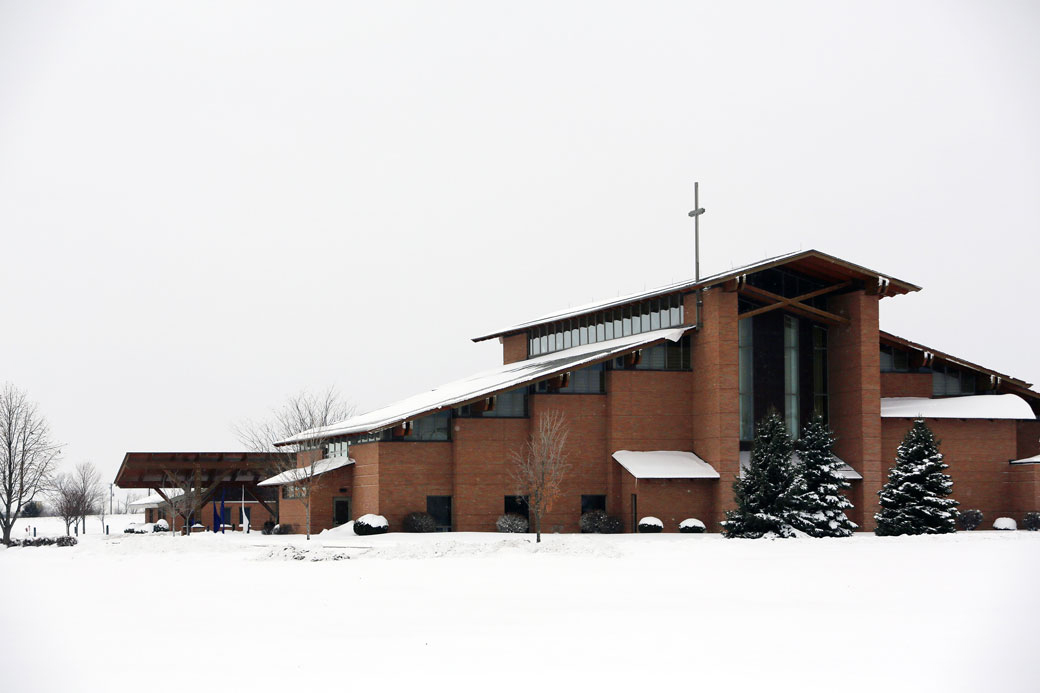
pixel 819 367
pixel 517 505
pixel 340 511
pixel 505 405
pixel 440 508
pixel 948 381
pixel 593 502
pixel 429 428
pixel 894 360
pixel 588 380
pixel 293 491
pixel 670 356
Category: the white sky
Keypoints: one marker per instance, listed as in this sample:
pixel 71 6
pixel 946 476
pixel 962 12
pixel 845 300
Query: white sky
pixel 205 207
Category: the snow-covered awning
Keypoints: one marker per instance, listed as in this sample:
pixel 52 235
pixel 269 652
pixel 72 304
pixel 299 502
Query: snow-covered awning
pixel 665 464
pixel 1035 459
pixel 490 382
pixel 302 473
pixel 845 470
pixel 966 407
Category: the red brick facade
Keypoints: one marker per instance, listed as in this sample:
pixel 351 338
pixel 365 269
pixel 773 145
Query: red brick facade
pixel 693 410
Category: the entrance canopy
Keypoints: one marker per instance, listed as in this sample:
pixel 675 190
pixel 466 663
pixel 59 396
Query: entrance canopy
pixel 665 464
pixel 303 473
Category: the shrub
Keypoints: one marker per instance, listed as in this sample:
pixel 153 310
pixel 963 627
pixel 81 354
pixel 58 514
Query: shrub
pixel 129 530
pixel 650 525
pixel 1032 522
pixel 511 523
pixel 1005 523
pixel 371 524
pixel 592 521
pixel 32 509
pixel 691 526
pixel 969 519
pixel 282 529
pixel 161 526
pixel 611 525
pixel 418 523
pixel 268 527
pixel 66 541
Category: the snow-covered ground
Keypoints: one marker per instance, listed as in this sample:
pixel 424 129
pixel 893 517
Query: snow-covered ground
pixel 497 612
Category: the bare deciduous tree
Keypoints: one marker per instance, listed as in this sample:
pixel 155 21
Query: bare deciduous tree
pixel 125 507
pixel 27 455
pixel 301 412
pixel 78 494
pixel 540 466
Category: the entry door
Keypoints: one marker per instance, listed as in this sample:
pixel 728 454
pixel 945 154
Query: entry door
pixel 440 508
pixel 340 511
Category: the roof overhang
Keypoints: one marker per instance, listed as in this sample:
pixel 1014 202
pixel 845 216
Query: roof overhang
pixel 811 262
pixel 964 407
pixel 149 469
pixel 489 383
pixel 665 464
pixel 292 476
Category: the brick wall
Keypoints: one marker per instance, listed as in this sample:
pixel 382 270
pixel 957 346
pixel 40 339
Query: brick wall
pixel 669 500
pixel 1028 435
pixel 408 472
pixel 906 384
pixel 514 348
pixel 325 488
pixel 715 404
pixel 854 381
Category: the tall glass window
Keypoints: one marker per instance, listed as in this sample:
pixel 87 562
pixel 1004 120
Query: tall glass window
pixel 820 371
pixel 791 375
pixel 745 385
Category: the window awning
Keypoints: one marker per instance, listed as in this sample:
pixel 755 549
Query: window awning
pixel 302 473
pixel 665 464
pixel 846 471
pixel 1035 459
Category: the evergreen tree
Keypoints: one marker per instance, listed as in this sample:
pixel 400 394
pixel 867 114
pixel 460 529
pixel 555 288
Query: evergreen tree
pixel 915 499
pixel 820 509
pixel 765 496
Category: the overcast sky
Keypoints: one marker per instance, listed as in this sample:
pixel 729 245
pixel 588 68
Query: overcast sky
pixel 206 207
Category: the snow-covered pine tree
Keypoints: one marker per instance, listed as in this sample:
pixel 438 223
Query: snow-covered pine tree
pixel 820 509
pixel 765 495
pixel 915 499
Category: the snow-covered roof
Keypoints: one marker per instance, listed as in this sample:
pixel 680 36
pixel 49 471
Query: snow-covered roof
pixel 154 500
pixel 1035 459
pixel 966 407
pixel 322 466
pixel 487 383
pixel 845 470
pixel 665 464
pixel 690 284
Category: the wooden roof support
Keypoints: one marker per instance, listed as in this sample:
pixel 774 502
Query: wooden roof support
pixel 271 512
pixel 795 304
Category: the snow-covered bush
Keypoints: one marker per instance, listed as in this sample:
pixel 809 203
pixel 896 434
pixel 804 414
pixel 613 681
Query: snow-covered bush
pixel 611 525
pixel 691 526
pixel 511 523
pixel 650 525
pixel 592 521
pixel 66 541
pixel 969 519
pixel 161 526
pixel 419 523
pixel 371 524
pixel 1032 521
pixel 37 541
pixel 282 529
pixel 1005 523
pixel 268 527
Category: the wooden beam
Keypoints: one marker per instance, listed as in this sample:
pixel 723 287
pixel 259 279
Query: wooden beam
pixel 266 507
pixel 172 506
pixel 794 304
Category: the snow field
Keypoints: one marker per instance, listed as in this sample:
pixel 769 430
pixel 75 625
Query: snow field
pixel 472 611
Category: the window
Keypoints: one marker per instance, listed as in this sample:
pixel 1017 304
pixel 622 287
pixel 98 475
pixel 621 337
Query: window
pixel 293 491
pixel 590 380
pixel 670 356
pixel 791 385
pixel 894 360
pixel 644 316
pixel 819 336
pixel 440 508
pixel 593 502
pixel 506 405
pixel 948 381
pixel 517 505
pixel 340 511
pixel 429 428
pixel 745 356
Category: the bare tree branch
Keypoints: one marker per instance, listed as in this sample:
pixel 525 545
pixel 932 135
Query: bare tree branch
pixel 540 466
pixel 27 455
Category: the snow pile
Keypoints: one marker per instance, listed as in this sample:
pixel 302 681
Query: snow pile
pixel 1005 523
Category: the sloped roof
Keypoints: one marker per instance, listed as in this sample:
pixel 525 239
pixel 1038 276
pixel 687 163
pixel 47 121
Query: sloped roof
pixel 487 383
pixel 813 262
pixel 320 467
pixel 964 407
pixel 665 464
